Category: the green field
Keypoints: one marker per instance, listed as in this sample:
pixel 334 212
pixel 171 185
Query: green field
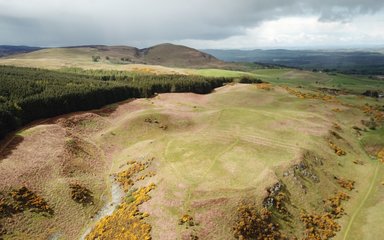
pixel 312 80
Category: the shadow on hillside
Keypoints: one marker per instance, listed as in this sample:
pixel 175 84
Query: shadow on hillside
pixel 12 145
pixel 108 110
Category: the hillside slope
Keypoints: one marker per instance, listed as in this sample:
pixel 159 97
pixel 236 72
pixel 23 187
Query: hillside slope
pixel 189 160
pixel 92 56
pixel 6 50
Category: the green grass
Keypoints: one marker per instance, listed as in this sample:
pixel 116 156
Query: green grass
pixel 314 80
pixel 370 219
pixel 220 73
pixel 374 137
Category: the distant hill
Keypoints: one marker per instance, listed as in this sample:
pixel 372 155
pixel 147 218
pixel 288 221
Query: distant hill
pixel 6 50
pixel 178 56
pixel 353 62
pixel 168 55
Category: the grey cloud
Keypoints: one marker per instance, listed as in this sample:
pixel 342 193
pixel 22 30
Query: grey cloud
pixel 67 22
pixel 346 10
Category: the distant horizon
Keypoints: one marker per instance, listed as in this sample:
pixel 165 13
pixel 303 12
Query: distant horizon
pixel 298 48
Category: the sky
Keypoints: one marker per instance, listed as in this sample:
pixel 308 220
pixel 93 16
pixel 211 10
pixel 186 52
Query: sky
pixel 203 24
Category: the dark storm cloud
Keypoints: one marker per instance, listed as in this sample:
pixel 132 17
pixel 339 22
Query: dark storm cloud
pixel 69 22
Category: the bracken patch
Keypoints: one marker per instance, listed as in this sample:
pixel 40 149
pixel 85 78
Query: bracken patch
pixel 26 199
pixel 81 194
pixel 345 183
pixel 323 226
pixel 253 224
pixel 380 155
pixel 186 219
pixel 125 178
pixel 339 151
pixel 333 204
pixel 319 226
pixel 319 96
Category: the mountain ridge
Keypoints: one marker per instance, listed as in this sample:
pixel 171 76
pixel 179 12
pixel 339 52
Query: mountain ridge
pixel 166 54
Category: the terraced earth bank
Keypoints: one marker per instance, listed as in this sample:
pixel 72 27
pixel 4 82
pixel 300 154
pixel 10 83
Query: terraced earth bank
pixel 245 162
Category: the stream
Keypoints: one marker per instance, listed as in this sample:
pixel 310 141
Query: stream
pixel 109 207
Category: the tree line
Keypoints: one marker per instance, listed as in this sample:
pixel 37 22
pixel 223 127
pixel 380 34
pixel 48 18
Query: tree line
pixel 28 94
